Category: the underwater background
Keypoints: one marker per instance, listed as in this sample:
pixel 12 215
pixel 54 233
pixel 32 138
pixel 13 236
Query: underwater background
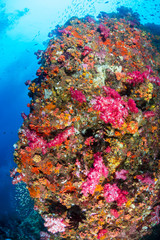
pixel 24 28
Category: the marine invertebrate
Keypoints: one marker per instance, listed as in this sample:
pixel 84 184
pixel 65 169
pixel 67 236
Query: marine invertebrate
pixel 104 31
pixel 88 150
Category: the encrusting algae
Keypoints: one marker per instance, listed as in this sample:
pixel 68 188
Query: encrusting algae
pixel 88 151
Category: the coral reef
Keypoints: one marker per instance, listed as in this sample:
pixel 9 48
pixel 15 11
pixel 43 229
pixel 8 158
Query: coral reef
pixel 89 149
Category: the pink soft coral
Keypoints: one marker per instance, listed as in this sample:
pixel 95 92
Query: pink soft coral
pixel 121 174
pixel 115 213
pixel 113 193
pixel 86 51
pixel 112 110
pixel 99 165
pixel 135 78
pixel 110 92
pixel 149 114
pixel 132 106
pixel 36 141
pixel 145 178
pixel 61 137
pixel 101 233
pixel 94 175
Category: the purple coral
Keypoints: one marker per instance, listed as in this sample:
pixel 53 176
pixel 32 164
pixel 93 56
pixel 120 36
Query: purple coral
pixel 23 115
pixel 38 54
pixel 64 31
pixel 90 19
pixel 28 82
pixel 105 32
pixel 77 95
pixel 156 215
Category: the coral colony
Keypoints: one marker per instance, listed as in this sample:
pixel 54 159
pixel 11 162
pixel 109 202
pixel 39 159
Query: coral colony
pixel 88 150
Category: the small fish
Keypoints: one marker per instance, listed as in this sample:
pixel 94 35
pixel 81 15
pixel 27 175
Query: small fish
pixel 152 15
pixel 118 2
pixel 107 2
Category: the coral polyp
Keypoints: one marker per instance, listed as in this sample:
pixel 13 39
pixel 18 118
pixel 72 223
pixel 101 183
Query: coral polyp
pixel 88 150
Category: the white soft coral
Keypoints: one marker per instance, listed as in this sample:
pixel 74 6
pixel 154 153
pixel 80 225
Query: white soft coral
pixel 54 225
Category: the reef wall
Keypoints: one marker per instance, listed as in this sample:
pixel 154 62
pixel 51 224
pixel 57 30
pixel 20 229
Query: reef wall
pixel 88 150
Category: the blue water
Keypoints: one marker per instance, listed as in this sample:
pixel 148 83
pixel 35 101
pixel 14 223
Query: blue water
pixel 24 27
